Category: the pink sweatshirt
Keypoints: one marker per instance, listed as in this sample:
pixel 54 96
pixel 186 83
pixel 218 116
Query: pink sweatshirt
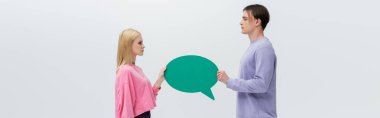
pixel 134 93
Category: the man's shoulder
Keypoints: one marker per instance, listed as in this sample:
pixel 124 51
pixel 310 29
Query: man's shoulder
pixel 264 44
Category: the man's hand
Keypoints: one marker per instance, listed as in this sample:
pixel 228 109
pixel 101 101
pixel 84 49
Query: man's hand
pixel 222 76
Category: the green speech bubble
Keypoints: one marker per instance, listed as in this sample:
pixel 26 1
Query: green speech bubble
pixel 192 73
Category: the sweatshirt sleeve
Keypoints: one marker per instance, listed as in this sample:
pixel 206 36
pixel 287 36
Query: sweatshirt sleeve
pixel 265 68
pixel 124 96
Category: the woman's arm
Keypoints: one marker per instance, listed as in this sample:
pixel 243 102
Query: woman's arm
pixel 160 79
pixel 124 97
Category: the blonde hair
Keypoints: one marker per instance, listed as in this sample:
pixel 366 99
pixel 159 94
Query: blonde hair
pixel 124 51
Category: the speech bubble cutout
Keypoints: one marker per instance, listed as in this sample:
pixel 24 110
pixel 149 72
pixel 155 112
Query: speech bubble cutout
pixel 192 73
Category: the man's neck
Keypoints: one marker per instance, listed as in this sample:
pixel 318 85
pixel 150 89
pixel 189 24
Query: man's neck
pixel 256 34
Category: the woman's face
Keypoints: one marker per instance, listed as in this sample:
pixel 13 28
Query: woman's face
pixel 138 47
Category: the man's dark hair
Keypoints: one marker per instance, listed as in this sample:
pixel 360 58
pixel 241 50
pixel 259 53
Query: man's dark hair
pixel 259 12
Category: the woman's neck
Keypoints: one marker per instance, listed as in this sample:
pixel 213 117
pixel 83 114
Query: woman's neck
pixel 134 59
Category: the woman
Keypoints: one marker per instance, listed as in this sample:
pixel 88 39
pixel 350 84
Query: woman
pixel 134 94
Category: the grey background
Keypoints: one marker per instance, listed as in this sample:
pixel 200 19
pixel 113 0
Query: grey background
pixel 57 58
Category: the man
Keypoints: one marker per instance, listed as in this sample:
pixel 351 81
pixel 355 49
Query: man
pixel 256 85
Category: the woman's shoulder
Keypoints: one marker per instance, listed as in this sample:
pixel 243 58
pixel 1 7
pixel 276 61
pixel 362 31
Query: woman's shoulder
pixel 127 68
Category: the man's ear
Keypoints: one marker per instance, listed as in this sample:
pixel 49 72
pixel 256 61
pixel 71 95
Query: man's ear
pixel 258 22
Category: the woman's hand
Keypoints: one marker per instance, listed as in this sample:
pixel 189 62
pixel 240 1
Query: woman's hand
pixel 161 78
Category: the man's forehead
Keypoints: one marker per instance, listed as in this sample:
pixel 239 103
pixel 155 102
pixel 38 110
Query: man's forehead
pixel 245 13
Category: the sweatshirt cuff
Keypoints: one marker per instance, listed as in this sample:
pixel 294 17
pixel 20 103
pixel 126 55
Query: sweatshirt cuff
pixel 229 83
pixel 155 90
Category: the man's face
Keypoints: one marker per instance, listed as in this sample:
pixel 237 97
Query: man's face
pixel 247 23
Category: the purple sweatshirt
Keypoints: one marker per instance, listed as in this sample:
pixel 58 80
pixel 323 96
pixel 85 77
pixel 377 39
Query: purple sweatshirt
pixel 256 85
